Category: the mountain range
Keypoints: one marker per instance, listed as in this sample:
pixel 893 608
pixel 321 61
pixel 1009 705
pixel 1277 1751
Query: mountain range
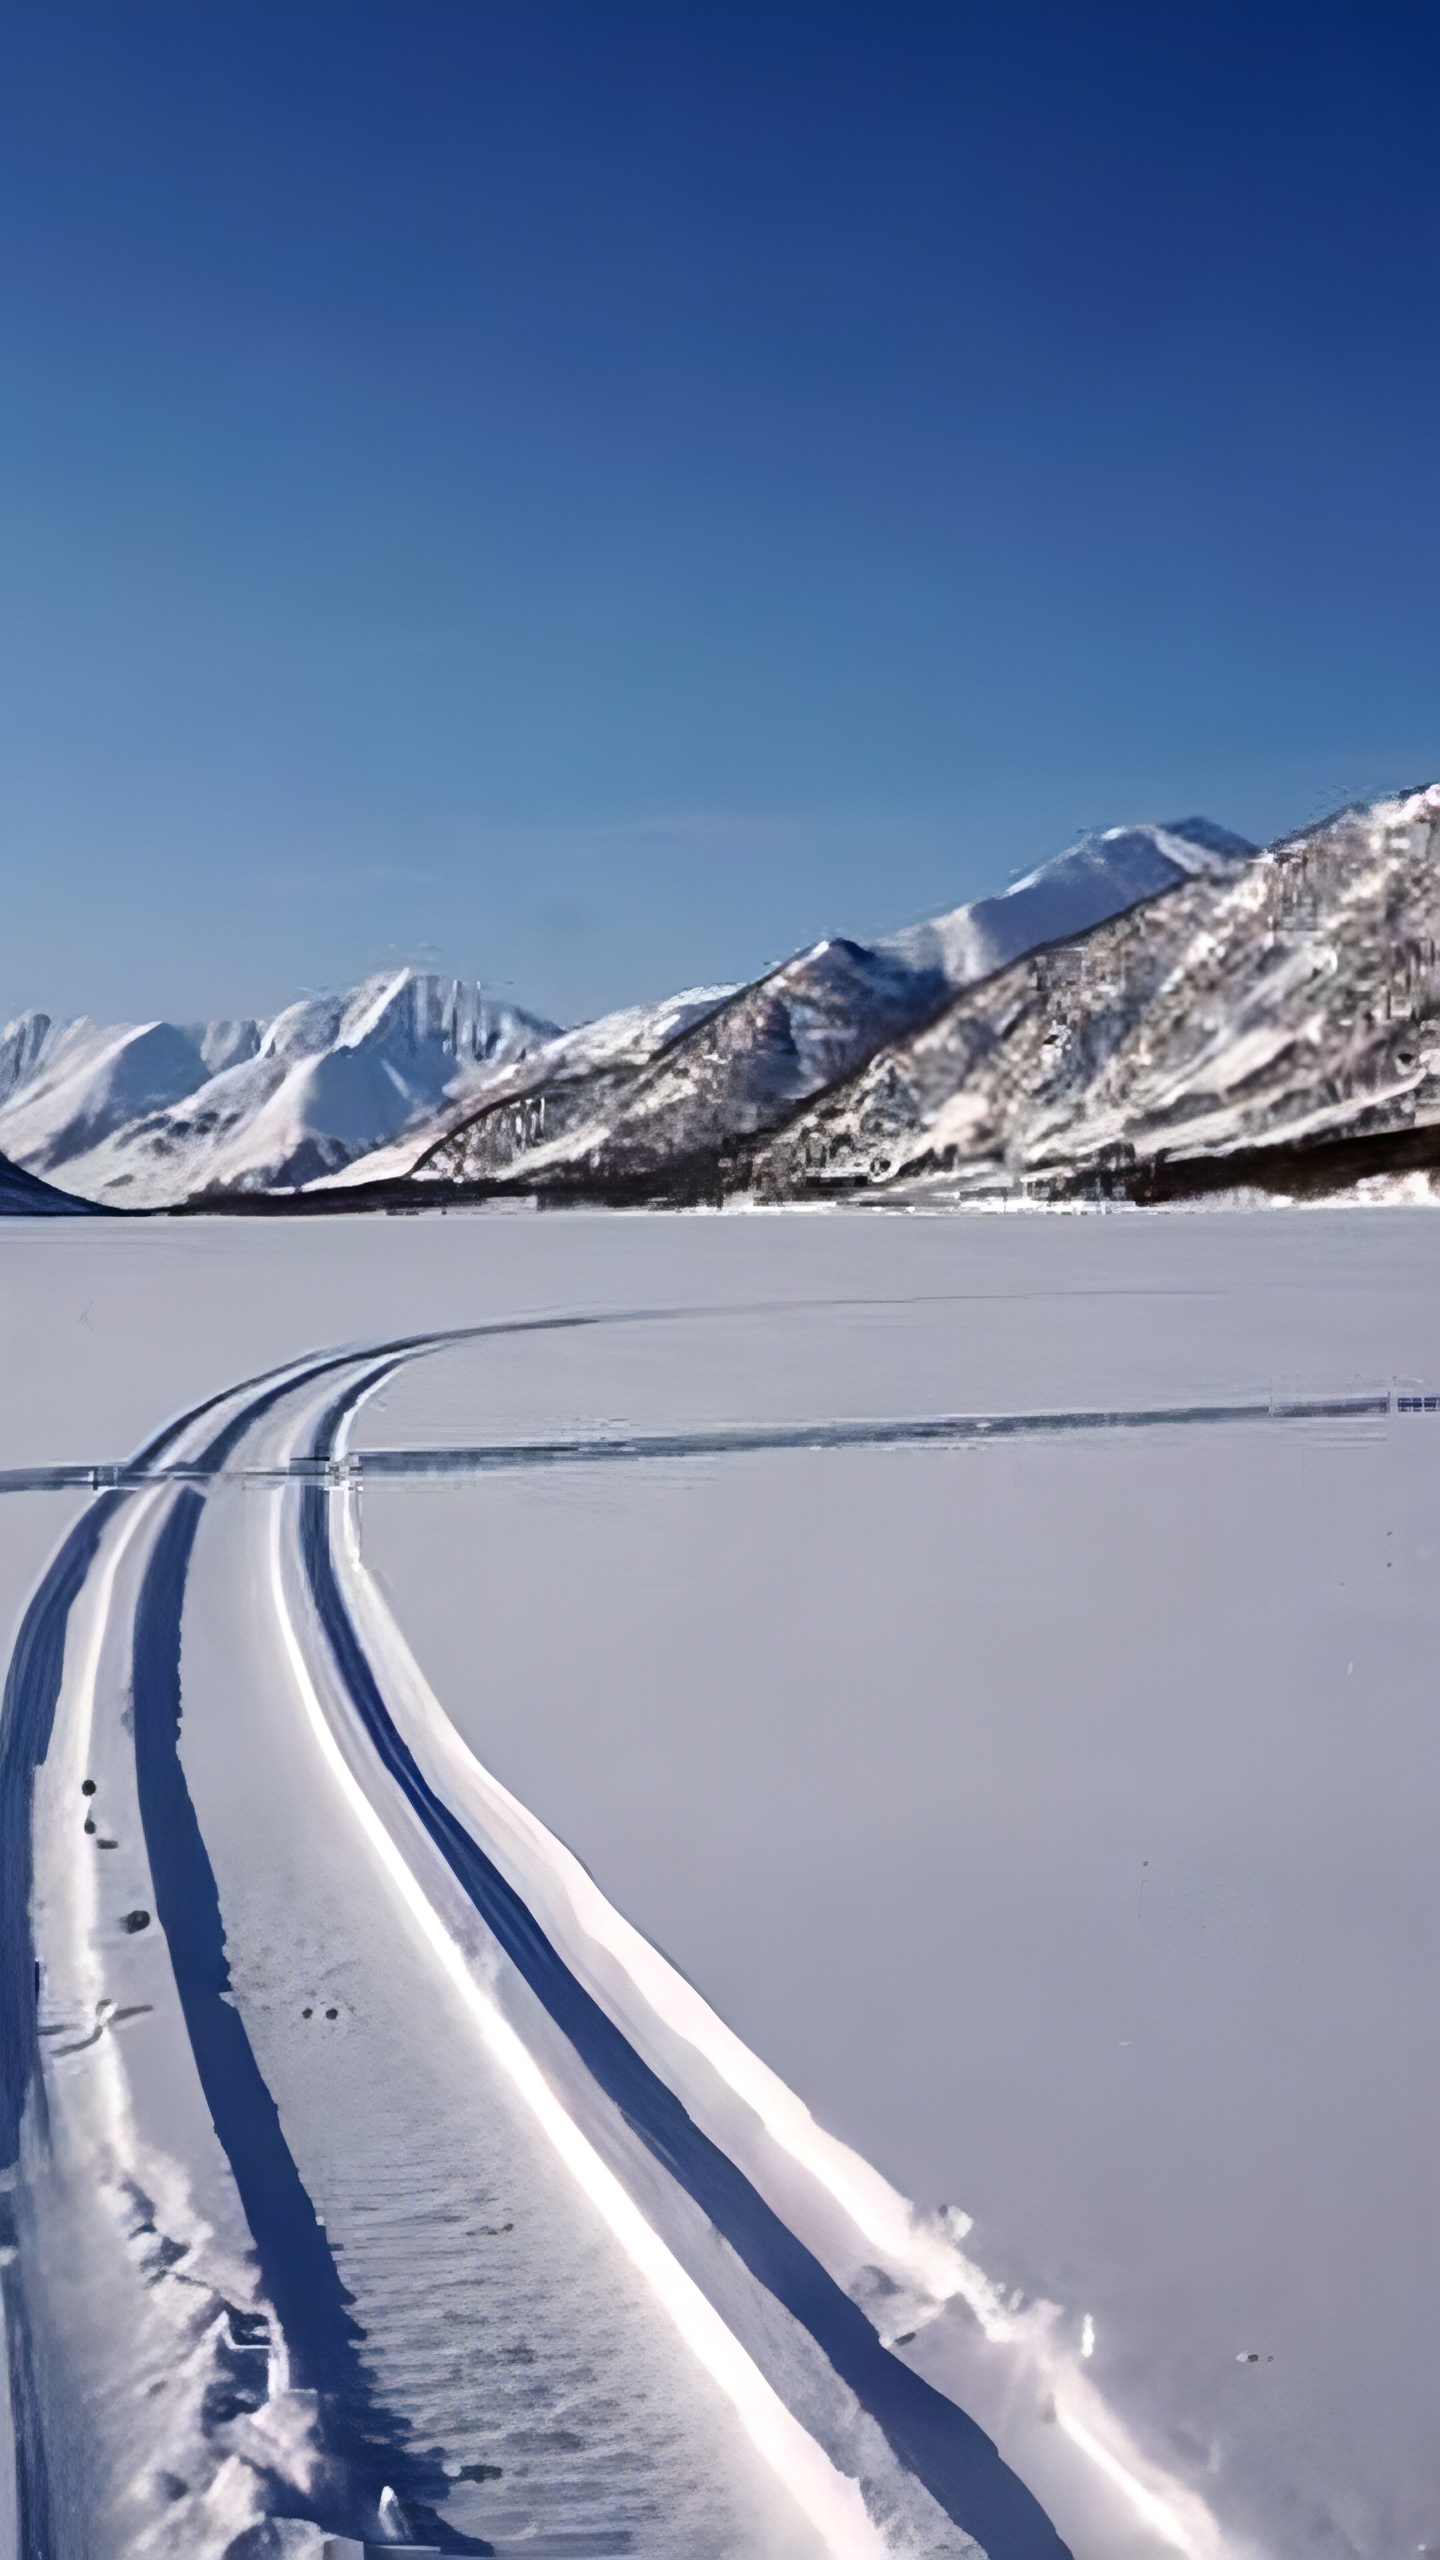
pixel 148 1115
pixel 1160 1009
pixel 1279 1027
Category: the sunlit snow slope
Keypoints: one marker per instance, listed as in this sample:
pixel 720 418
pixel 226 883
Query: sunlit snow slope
pixel 142 1115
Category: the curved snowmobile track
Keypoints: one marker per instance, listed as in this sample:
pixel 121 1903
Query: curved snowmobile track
pixel 703 2178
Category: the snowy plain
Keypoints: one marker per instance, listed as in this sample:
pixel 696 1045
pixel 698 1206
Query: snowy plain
pixel 1055 1817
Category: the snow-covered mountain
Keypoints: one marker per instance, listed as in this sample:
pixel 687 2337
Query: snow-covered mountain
pixel 144 1115
pixel 652 1102
pixel 1100 876
pixel 554 1085
pixel 1280 1025
pixel 24 1195
pixel 1152 1010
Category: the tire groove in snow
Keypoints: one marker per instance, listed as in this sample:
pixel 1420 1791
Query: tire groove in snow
pixel 931 2436
pixel 365 2449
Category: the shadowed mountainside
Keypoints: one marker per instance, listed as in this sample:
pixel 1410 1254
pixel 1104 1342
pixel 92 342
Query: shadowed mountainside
pixel 24 1195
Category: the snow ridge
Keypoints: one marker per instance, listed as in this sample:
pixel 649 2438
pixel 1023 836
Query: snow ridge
pixel 1267 1015
pixel 143 1115
pixel 662 1124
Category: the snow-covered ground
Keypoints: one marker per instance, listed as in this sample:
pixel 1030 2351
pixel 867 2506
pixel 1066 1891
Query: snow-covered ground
pixel 1050 1820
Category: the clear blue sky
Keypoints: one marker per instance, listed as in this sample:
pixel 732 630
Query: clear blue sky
pixel 593 496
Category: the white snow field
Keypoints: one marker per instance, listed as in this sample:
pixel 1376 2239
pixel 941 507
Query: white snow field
pixel 788 1885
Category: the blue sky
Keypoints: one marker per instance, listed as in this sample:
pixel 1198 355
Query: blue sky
pixel 594 496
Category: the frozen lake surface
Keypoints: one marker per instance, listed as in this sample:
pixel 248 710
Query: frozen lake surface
pixel 1054 1815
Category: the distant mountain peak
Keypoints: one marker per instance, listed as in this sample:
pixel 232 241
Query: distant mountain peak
pixel 146 1114
pixel 1219 840
pixel 1101 874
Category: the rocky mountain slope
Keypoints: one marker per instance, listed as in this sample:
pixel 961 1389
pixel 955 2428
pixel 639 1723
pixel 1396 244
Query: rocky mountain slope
pixel 657 1110
pixel 1278 1025
pixel 528 1096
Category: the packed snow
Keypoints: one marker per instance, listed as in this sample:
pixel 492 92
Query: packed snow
pixel 1037 1832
